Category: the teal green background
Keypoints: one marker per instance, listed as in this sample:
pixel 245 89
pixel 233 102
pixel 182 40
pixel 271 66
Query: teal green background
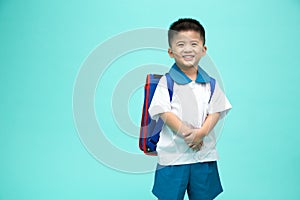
pixel 254 44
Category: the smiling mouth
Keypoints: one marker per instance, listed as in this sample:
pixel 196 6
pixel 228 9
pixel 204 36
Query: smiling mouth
pixel 188 57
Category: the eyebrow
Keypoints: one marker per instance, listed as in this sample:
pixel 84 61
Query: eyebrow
pixel 180 41
pixel 185 41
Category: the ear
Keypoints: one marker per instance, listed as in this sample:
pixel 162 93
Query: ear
pixel 170 52
pixel 204 49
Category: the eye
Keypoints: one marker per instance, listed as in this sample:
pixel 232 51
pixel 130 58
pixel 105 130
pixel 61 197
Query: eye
pixel 194 44
pixel 180 44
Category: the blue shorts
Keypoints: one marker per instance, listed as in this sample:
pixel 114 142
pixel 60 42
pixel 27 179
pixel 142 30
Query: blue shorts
pixel 200 180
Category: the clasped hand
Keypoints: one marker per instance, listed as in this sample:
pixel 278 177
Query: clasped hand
pixel 193 138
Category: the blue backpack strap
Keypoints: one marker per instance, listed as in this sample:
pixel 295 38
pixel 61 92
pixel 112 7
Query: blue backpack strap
pixel 212 87
pixel 170 83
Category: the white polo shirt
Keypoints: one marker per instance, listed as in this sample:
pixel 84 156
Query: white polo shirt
pixel 190 105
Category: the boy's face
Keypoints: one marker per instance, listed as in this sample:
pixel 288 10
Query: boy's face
pixel 187 49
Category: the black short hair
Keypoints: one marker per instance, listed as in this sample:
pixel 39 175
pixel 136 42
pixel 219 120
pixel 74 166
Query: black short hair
pixel 186 24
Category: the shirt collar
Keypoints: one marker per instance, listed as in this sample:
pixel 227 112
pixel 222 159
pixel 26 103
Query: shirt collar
pixel 180 78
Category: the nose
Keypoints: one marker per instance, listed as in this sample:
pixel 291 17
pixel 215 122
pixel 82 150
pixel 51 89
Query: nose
pixel 187 48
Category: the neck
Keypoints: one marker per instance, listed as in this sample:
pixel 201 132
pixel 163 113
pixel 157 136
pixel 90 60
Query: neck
pixel 191 72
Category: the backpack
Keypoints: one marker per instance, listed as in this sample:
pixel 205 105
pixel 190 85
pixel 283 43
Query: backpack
pixel 150 129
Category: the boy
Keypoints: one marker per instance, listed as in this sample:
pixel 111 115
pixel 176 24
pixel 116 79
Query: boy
pixel 186 148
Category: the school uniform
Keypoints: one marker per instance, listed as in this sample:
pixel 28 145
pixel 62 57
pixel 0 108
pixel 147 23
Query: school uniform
pixel 181 168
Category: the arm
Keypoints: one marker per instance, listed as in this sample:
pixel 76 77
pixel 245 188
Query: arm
pixel 209 123
pixel 174 123
pixel 193 137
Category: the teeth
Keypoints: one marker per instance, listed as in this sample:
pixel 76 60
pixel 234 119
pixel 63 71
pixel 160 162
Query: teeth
pixel 188 56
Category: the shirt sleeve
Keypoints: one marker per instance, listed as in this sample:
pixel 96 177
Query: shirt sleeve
pixel 161 100
pixel 219 102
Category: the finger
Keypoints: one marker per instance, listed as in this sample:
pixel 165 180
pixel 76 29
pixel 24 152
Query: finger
pixel 186 134
pixel 199 146
pixel 188 138
pixel 195 148
pixel 189 142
